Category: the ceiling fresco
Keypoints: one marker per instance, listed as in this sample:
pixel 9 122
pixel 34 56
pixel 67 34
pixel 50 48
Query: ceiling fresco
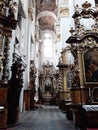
pixel 46 20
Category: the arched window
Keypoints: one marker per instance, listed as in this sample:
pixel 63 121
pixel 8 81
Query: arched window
pixel 48 45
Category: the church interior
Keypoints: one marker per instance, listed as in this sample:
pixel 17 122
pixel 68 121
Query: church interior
pixel 49 57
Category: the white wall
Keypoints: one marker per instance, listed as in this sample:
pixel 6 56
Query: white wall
pixel 65 27
pixel 66 23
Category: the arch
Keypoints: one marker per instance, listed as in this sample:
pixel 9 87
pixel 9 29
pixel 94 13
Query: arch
pixel 46 13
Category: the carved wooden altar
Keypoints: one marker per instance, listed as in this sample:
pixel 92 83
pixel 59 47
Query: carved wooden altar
pixel 84 46
pixel 84 43
pixel 29 93
pixel 48 82
pixel 65 83
pixel 7 24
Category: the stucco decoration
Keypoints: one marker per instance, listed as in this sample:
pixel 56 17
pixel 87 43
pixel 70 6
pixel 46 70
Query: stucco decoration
pixel 64 11
pixel 58 38
pixel 63 1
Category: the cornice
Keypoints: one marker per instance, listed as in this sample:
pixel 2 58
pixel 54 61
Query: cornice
pixel 7 22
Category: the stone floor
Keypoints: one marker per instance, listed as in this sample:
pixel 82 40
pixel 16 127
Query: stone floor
pixel 45 118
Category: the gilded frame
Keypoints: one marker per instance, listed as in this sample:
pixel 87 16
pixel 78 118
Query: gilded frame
pixel 90 66
pixel 95 95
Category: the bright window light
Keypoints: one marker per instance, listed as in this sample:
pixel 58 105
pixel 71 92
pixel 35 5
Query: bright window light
pixel 47 35
pixel 48 48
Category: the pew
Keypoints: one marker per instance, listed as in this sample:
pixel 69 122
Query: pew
pixel 85 116
pixel 91 116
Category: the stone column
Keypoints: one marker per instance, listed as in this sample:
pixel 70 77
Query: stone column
pixel 80 63
pixel 60 80
pixel 6 42
pixel 64 80
pixel 1 50
pixel 63 57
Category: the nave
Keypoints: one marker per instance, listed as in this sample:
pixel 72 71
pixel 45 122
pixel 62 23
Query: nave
pixel 45 118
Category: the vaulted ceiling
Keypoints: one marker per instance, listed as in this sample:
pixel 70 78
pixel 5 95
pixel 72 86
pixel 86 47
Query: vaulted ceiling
pixel 46 11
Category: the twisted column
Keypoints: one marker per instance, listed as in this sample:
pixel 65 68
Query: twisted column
pixel 5 60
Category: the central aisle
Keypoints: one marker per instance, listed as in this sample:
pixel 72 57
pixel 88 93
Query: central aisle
pixel 45 118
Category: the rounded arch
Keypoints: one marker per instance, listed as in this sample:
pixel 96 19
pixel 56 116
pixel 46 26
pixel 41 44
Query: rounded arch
pixel 46 13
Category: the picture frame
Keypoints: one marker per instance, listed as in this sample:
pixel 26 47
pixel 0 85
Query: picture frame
pixel 90 66
pixel 95 95
pixel 69 79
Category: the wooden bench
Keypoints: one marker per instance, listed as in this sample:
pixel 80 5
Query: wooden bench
pixel 91 116
pixel 86 116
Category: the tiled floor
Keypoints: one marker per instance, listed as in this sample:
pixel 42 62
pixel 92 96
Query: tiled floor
pixel 45 118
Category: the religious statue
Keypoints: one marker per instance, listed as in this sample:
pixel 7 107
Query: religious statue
pixel 13 9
